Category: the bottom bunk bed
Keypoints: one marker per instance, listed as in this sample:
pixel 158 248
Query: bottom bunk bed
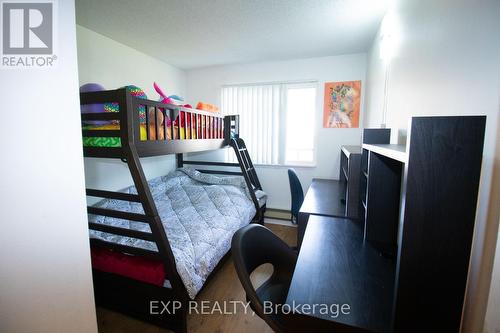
pixel 199 213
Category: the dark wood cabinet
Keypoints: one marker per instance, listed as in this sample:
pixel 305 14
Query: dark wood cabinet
pixel 379 136
pixel 382 172
pixel 382 202
pixel 441 181
pixel 350 170
pixel 420 201
pixel 350 163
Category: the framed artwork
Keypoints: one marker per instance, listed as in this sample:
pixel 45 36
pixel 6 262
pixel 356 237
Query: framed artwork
pixel 342 104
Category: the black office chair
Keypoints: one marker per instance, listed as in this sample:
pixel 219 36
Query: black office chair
pixel 296 193
pixel 255 245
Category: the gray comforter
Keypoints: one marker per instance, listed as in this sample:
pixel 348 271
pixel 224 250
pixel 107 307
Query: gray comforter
pixel 200 214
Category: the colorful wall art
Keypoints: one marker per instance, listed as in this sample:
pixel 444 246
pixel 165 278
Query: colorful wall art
pixel 342 104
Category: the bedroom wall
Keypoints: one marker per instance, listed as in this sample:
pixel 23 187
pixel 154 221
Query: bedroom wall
pixel 492 322
pixel 447 63
pixel 113 65
pixel 45 275
pixel 204 84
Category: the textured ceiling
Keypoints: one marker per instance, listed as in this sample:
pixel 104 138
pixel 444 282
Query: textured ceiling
pixel 199 33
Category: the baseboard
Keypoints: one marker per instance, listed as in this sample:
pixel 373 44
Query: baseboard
pixel 278 214
pixel 286 223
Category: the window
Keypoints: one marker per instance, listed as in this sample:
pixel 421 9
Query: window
pixel 299 115
pixel 276 121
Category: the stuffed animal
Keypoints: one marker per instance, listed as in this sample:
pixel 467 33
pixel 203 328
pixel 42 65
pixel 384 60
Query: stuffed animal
pixel 139 93
pixel 179 121
pixel 172 99
pixel 92 108
pixel 134 91
pixel 159 122
pixel 163 97
pixel 207 107
pixel 177 98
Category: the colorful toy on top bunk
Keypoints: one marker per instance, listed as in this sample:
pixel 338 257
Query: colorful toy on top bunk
pixel 91 124
pixel 92 108
pixel 142 129
pixel 112 106
pixel 134 91
pixel 207 107
pixel 115 124
pixel 212 128
pixel 139 93
pixel 172 99
pixel 184 131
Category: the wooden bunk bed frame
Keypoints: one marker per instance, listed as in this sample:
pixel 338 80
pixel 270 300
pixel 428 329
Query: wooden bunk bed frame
pixel 127 295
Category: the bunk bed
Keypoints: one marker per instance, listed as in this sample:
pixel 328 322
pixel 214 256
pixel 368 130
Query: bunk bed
pixel 136 263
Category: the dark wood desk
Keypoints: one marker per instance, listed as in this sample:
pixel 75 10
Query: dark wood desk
pixel 335 266
pixel 324 198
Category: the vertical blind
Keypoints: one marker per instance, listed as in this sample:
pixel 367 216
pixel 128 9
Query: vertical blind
pixel 259 110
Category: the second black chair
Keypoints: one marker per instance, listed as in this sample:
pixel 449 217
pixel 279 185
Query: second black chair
pixel 296 193
pixel 255 245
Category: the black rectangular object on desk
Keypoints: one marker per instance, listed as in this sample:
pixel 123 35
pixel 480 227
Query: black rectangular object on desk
pixel 441 186
pixel 335 266
pixel 377 135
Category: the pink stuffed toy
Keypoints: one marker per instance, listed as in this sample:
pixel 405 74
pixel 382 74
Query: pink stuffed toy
pixel 165 98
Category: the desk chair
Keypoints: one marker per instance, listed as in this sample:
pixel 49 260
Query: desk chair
pixel 255 245
pixel 297 194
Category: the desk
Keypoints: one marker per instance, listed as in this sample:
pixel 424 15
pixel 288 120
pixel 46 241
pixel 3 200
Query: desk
pixel 335 266
pixel 322 198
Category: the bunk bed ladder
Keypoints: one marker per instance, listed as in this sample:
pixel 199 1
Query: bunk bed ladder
pixel 249 173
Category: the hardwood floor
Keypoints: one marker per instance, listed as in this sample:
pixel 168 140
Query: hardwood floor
pixel 224 286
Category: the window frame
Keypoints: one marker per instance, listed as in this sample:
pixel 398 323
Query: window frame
pixel 282 114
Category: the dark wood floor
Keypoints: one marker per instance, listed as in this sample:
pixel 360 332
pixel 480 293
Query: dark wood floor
pixel 224 286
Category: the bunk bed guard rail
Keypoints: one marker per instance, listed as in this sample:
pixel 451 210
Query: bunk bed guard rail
pixel 153 128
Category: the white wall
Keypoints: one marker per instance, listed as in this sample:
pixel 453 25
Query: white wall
pixel 205 84
pixel 447 63
pixel 46 283
pixel 113 65
pixel 492 321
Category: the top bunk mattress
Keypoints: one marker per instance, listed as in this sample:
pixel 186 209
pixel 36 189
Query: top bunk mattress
pixel 199 212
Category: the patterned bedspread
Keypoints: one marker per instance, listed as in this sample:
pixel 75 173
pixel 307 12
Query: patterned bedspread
pixel 200 214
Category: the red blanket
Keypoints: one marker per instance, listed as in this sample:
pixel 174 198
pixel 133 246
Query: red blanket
pixel 138 268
